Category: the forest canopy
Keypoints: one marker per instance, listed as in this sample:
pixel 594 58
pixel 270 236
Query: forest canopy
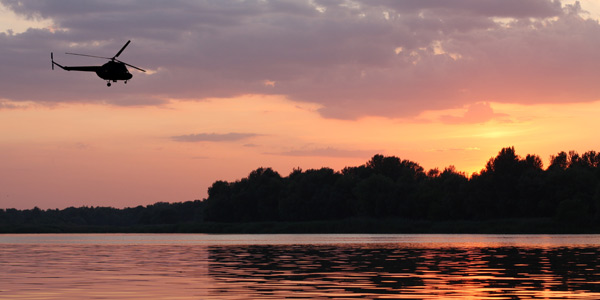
pixel 509 187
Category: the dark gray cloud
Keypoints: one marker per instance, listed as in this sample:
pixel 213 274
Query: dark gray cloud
pixel 213 137
pixel 355 58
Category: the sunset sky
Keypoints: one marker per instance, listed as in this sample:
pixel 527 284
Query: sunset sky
pixel 236 85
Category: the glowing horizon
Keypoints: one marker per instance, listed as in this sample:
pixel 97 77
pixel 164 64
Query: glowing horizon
pixel 79 158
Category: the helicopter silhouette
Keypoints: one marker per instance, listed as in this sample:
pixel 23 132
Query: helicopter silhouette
pixel 111 71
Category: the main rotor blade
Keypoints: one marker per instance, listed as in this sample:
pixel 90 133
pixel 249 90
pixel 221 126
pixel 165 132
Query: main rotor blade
pixel 88 55
pixel 131 65
pixel 135 67
pixel 119 53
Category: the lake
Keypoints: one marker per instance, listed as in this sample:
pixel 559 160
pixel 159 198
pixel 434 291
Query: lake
pixel 303 266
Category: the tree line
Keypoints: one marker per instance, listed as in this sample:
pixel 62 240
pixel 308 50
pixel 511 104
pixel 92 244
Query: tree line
pixel 384 188
pixel 101 219
pixel 509 186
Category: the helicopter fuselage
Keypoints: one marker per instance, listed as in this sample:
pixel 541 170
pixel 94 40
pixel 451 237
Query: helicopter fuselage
pixel 113 71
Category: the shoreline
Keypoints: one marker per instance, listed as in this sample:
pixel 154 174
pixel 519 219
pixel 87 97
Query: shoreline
pixel 356 226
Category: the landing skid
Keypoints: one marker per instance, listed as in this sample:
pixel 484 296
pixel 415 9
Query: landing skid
pixel 109 84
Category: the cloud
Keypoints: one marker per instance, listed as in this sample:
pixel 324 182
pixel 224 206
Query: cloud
pixel 9 105
pixel 327 152
pixel 456 149
pixel 505 8
pixel 213 137
pixel 201 157
pixel 476 113
pixel 353 58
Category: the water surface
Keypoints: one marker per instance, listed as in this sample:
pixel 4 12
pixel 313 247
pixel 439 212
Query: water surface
pixel 200 266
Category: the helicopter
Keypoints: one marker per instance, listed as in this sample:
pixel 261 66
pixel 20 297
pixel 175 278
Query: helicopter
pixel 111 71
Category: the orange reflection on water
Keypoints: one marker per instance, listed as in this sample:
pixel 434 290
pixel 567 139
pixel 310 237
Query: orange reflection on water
pixel 309 271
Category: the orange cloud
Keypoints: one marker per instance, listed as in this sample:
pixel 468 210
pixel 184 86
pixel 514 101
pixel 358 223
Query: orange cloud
pixel 213 137
pixel 476 113
pixel 328 152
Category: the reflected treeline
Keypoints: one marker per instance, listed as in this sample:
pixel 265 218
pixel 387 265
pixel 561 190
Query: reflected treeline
pixel 386 194
pixel 365 271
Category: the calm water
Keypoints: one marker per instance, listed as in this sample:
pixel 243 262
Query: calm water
pixel 173 266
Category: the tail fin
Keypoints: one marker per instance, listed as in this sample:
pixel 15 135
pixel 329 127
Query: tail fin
pixel 55 63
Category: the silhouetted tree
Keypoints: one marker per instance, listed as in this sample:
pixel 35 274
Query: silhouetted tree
pixel 375 196
pixel 559 161
pixel 445 195
pixel 311 195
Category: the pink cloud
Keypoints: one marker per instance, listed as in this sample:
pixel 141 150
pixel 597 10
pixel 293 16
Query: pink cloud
pixel 213 137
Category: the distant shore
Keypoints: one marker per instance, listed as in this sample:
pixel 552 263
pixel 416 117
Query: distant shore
pixel 363 225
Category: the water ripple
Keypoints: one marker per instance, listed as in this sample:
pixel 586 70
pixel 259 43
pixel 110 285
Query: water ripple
pixel 348 270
